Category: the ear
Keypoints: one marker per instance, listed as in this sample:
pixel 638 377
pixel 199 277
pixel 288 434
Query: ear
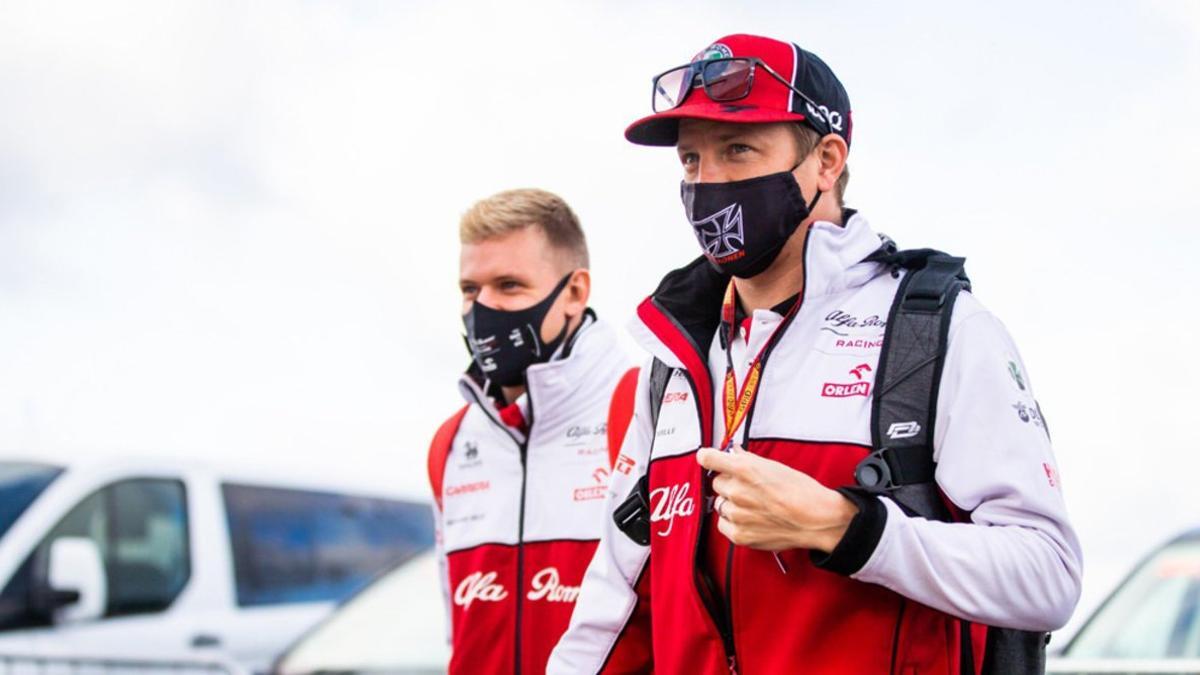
pixel 831 155
pixel 577 292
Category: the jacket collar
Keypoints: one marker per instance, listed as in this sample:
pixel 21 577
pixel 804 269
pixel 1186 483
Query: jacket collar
pixel 551 388
pixel 685 310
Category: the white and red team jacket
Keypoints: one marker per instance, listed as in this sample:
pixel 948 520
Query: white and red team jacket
pixel 518 514
pixel 893 595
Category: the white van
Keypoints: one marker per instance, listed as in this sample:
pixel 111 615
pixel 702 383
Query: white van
pixel 137 559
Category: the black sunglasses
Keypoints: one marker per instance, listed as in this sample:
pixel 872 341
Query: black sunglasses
pixel 724 79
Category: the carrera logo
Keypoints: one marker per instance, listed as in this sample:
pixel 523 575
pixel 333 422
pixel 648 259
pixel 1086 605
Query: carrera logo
pixel 480 587
pixel 668 502
pixel 675 397
pixel 596 491
pixel 468 488
pixel 545 585
pixel 624 464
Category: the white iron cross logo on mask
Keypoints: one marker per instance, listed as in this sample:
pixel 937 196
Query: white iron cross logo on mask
pixel 721 234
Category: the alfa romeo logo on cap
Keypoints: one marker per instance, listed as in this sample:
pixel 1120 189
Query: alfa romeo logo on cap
pixel 714 51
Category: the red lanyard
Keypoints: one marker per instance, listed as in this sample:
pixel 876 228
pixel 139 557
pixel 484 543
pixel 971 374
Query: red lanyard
pixel 737 403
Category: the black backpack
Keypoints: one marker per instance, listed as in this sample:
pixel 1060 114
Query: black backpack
pixel 903 411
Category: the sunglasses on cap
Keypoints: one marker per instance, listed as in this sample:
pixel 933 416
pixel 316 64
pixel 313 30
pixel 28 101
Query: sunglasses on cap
pixel 723 79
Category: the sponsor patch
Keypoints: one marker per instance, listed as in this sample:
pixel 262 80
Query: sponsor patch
pixel 1051 474
pixel 834 390
pixel 468 488
pixel 1028 414
pixel 597 491
pixel 668 502
pixel 478 587
pixel 837 390
pixel 545 585
pixel 624 464
pixel 1014 371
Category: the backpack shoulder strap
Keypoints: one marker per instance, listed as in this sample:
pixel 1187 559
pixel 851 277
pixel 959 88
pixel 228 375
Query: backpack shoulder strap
pixel 632 516
pixel 660 374
pixel 439 450
pixel 904 405
pixel 620 412
pixel 903 413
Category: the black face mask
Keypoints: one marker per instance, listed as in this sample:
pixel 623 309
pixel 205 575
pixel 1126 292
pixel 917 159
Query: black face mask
pixel 504 344
pixel 743 225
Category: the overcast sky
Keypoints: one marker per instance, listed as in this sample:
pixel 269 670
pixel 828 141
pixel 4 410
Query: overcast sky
pixel 228 230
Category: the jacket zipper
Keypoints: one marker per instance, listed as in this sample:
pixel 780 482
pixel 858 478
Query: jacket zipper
pixel 727 600
pixel 521 533
pixel 707 588
pixel 729 607
pixel 523 448
pixel 896 635
pixel 520 585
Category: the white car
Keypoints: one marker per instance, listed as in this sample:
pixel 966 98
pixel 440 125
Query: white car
pixel 396 625
pixel 141 560
pixel 1150 623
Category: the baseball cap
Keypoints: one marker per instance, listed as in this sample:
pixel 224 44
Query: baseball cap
pixel 768 100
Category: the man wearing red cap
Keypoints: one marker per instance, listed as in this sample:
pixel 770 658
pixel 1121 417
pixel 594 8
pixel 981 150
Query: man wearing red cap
pixel 835 462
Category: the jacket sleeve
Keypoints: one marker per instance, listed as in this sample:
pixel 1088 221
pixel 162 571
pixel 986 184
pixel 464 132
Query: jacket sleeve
pixel 1014 561
pixel 610 627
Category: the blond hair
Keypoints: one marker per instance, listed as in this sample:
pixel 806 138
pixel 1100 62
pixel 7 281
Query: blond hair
pixel 513 210
pixel 806 140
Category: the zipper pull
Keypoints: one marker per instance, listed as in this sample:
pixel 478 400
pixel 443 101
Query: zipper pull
pixel 732 664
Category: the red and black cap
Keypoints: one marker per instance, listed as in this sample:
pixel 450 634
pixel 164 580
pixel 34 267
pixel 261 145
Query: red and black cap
pixel 769 100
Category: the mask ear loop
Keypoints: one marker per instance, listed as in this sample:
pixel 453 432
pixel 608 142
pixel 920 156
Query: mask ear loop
pixel 536 333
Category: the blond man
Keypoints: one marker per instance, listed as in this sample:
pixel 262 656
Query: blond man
pixel 520 473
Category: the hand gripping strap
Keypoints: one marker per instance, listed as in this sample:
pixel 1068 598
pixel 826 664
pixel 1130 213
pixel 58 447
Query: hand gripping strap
pixel 439 450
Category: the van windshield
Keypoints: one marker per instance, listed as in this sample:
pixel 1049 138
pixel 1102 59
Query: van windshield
pixel 20 484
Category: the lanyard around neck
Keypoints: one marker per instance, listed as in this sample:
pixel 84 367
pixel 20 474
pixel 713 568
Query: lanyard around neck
pixel 738 401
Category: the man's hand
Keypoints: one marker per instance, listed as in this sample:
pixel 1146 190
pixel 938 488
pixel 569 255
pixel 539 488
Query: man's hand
pixel 769 506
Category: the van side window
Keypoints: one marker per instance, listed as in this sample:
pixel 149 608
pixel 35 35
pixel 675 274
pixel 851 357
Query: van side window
pixel 304 546
pixel 140 527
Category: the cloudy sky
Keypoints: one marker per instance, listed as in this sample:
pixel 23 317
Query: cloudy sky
pixel 227 230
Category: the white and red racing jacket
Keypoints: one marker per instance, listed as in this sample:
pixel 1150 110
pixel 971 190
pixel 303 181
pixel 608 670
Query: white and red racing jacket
pixel 521 506
pixel 894 595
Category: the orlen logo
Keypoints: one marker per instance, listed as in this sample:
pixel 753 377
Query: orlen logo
pixel 668 502
pixel 546 586
pixel 478 586
pixel 834 390
pixel 596 491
